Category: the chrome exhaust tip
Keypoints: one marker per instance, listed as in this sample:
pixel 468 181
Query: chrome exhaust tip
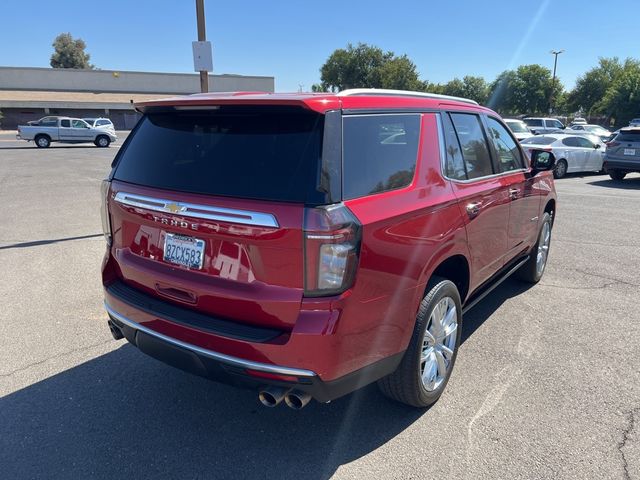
pixel 296 399
pixel 271 396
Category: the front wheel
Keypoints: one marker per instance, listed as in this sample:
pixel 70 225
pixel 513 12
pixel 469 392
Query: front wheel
pixel 532 271
pixel 102 141
pixel 426 366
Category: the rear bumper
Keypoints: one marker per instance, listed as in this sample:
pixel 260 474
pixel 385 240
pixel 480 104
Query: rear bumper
pixel 157 338
pixel 623 165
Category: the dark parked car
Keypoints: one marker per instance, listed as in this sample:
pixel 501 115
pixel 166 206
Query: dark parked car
pixel 305 245
pixel 622 155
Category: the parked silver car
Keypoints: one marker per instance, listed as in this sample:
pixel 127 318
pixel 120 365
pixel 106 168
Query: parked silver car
pixel 574 153
pixel 622 155
pixel 539 125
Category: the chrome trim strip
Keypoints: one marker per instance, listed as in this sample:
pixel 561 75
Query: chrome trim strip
pixel 231 215
pixel 235 361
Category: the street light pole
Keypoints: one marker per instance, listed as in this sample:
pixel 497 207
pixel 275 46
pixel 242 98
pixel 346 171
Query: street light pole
pixel 555 53
pixel 202 36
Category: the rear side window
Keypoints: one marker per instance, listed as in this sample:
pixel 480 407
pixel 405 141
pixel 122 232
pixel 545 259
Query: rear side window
pixel 65 123
pixel 264 153
pixel 379 153
pixel 533 122
pixel 538 141
pixel 103 122
pixel 628 136
pixel 475 150
pixel 454 163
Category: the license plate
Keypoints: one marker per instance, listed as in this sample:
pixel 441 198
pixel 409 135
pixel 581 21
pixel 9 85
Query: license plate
pixel 183 250
pixel 629 151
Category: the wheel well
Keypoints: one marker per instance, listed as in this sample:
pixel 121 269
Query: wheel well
pixel 550 208
pixel 42 135
pixel 456 269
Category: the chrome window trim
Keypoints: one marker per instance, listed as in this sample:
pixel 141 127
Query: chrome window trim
pixel 443 159
pixel 228 359
pixel 231 215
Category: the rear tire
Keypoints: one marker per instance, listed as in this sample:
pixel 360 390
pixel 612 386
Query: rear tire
pixel 42 141
pixel 617 175
pixel 561 168
pixel 532 271
pixel 426 366
pixel 102 141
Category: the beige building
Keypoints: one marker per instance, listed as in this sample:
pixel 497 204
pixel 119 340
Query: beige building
pixel 30 93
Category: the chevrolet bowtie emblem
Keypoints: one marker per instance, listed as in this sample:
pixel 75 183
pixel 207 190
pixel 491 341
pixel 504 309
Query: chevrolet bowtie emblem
pixel 174 207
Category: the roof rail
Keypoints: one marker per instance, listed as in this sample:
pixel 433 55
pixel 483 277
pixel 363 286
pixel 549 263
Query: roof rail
pixel 401 93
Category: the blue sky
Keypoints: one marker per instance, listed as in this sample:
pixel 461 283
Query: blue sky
pixel 291 39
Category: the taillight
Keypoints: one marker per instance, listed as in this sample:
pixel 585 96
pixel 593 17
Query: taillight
pixel 331 246
pixel 104 210
pixel 612 144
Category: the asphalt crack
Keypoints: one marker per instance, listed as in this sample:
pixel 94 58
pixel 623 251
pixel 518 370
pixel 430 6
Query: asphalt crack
pixel 604 277
pixel 626 434
pixel 53 357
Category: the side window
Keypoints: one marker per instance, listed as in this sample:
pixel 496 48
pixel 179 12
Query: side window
pixel 65 123
pixel 570 141
pixel 534 122
pixel 554 124
pixel 506 147
pixel 475 150
pixel 379 153
pixel 584 142
pixel 578 127
pixel 454 163
pixel 102 122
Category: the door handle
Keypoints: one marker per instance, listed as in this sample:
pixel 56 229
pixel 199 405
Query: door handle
pixel 473 208
pixel 513 193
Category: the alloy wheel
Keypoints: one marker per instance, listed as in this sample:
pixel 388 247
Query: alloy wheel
pixel 543 248
pixel 439 344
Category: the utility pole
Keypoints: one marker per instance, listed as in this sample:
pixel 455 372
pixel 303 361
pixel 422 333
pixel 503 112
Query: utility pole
pixel 555 53
pixel 202 37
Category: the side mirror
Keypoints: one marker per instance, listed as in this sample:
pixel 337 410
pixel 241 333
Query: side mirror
pixel 597 146
pixel 542 161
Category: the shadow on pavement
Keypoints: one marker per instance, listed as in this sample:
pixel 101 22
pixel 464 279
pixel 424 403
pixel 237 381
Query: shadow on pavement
pixel 35 243
pixel 125 415
pixel 626 184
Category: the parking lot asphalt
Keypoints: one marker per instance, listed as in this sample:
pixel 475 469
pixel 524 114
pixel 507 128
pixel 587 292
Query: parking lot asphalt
pixel 546 385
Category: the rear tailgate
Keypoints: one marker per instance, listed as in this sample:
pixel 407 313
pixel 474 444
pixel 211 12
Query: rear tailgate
pixel 207 210
pixel 625 146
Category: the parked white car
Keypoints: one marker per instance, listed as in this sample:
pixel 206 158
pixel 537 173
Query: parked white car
pixel 65 130
pixel 574 153
pixel 519 128
pixel 100 124
pixel 591 129
pixel 635 122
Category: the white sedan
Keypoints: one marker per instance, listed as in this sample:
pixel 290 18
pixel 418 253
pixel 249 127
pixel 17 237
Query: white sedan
pixel 574 153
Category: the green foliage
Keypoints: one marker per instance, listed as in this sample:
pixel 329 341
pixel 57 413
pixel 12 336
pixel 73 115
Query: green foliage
pixel 591 87
pixel 526 90
pixel 366 66
pixel 69 53
pixel 622 99
pixel 475 88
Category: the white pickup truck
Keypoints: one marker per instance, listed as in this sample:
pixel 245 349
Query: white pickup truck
pixel 65 130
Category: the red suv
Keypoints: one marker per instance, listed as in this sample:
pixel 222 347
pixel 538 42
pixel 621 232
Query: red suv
pixel 306 245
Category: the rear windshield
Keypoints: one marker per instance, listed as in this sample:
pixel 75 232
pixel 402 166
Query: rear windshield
pixel 539 140
pixel 633 136
pixel 261 153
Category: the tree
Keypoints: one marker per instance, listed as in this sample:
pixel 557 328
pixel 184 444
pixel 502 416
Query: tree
pixel 367 66
pixel 475 88
pixel 591 87
pixel 525 90
pixel 622 98
pixel 69 53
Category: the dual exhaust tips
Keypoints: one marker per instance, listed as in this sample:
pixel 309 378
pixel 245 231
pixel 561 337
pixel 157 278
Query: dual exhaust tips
pixel 273 396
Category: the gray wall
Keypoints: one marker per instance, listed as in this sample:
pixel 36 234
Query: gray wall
pixel 61 79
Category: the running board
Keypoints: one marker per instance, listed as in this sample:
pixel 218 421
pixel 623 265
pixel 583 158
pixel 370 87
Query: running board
pixel 493 284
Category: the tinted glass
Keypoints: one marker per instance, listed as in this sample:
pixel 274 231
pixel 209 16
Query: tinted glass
pixel 78 124
pixel 584 142
pixel 454 163
pixel 570 141
pixel 103 122
pixel 533 122
pixel 554 124
pixel 628 136
pixel 506 147
pixel 379 153
pixel 262 153
pixel 517 127
pixel 65 123
pixel 474 145
pixel 538 140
